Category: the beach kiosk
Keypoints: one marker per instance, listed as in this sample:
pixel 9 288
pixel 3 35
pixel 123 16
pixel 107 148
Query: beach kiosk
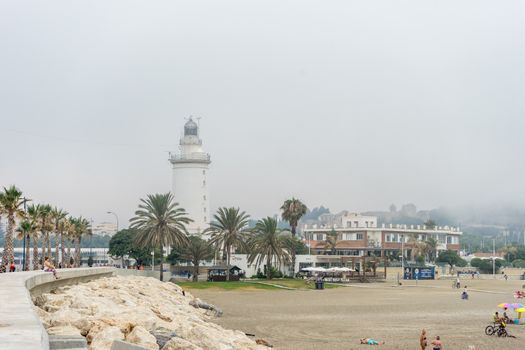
pixel 218 273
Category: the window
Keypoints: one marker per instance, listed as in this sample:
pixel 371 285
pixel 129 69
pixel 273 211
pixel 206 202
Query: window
pixel 356 223
pixel 204 172
pixel 359 237
pixel 204 197
pixel 204 219
pixel 205 209
pixel 203 183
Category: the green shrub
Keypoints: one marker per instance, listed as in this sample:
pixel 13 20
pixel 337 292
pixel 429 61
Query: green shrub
pixel 519 263
pixel 475 262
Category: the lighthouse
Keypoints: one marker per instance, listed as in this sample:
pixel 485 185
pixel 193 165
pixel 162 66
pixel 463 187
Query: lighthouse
pixel 190 172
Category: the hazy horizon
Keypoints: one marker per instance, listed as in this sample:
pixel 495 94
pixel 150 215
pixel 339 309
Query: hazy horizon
pixel 351 105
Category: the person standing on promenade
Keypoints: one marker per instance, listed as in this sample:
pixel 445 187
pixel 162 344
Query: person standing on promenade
pixel 437 344
pixel 423 340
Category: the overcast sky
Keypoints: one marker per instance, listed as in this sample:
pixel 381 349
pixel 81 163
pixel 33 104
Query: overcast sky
pixel 350 104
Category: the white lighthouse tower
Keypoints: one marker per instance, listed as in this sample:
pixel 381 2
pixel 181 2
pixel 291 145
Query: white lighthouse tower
pixel 190 172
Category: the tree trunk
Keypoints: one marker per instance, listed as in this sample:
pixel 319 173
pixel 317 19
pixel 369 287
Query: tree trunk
pixel 196 271
pixel 35 252
pixel 49 251
pixel 68 252
pixel 228 263
pixel 268 268
pixel 293 230
pixel 28 252
pixel 293 263
pixel 62 250
pixel 8 255
pixel 161 272
pixel 57 248
pixel 44 244
pixel 78 261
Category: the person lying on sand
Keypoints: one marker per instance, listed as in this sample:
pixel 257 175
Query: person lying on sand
pixel 370 341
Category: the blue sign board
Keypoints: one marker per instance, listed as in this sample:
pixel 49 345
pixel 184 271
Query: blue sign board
pixel 419 273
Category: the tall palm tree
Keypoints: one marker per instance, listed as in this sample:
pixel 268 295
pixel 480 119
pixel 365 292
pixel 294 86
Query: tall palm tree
pixel 45 227
pixel 63 229
pixel 58 216
pixel 229 230
pixel 11 199
pixel 331 241
pixel 419 248
pixel 432 244
pixel 160 222
pixel 26 229
pixel 268 244
pixel 196 250
pixel 81 228
pixel 33 213
pixel 71 230
pixel 292 211
pixel 294 246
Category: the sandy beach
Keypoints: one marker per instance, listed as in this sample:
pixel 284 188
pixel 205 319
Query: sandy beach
pixel 337 318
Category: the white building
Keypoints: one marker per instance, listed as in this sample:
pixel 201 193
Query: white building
pixel 105 229
pixel 190 172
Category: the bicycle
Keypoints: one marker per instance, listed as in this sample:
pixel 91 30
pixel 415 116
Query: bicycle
pixel 497 328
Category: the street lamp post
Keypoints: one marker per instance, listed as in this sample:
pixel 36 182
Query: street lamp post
pixel 493 258
pixel 25 200
pixel 153 260
pixel 116 217
pixel 403 255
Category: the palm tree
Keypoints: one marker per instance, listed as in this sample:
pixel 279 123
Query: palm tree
pixel 432 244
pixel 292 211
pixel 268 243
pixel 419 248
pixel 71 229
pixel 64 229
pixel 160 222
pixel 11 201
pixel 331 241
pixel 81 228
pixel 33 212
pixel 45 218
pixel 57 218
pixel 294 246
pixel 196 250
pixel 26 229
pixel 229 230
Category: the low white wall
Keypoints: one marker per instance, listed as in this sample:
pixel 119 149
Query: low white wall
pixel 20 326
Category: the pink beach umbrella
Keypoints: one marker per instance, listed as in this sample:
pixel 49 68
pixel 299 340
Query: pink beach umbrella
pixel 517 306
pixel 505 305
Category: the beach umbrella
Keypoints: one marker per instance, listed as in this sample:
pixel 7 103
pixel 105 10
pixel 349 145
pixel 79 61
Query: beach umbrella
pixel 308 269
pixel 505 305
pixel 520 310
pixel 517 305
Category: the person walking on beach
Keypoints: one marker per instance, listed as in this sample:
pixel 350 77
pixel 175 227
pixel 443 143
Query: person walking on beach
pixel 437 344
pixel 423 340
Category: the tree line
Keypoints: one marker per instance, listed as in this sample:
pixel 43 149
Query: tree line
pixel 38 223
pixel 160 222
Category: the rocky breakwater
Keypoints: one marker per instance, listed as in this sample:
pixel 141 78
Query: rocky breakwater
pixel 139 310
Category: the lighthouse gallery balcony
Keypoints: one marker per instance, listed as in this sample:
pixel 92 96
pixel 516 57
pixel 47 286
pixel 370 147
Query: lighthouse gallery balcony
pixel 197 157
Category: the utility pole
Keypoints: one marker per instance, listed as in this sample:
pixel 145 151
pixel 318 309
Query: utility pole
pixel 493 258
pixel 25 200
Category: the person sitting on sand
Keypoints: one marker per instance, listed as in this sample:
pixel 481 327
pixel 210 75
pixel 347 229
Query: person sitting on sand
pixel 437 344
pixel 370 341
pixel 423 340
pixel 48 267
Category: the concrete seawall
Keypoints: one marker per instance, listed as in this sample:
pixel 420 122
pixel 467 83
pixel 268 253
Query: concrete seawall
pixel 20 326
